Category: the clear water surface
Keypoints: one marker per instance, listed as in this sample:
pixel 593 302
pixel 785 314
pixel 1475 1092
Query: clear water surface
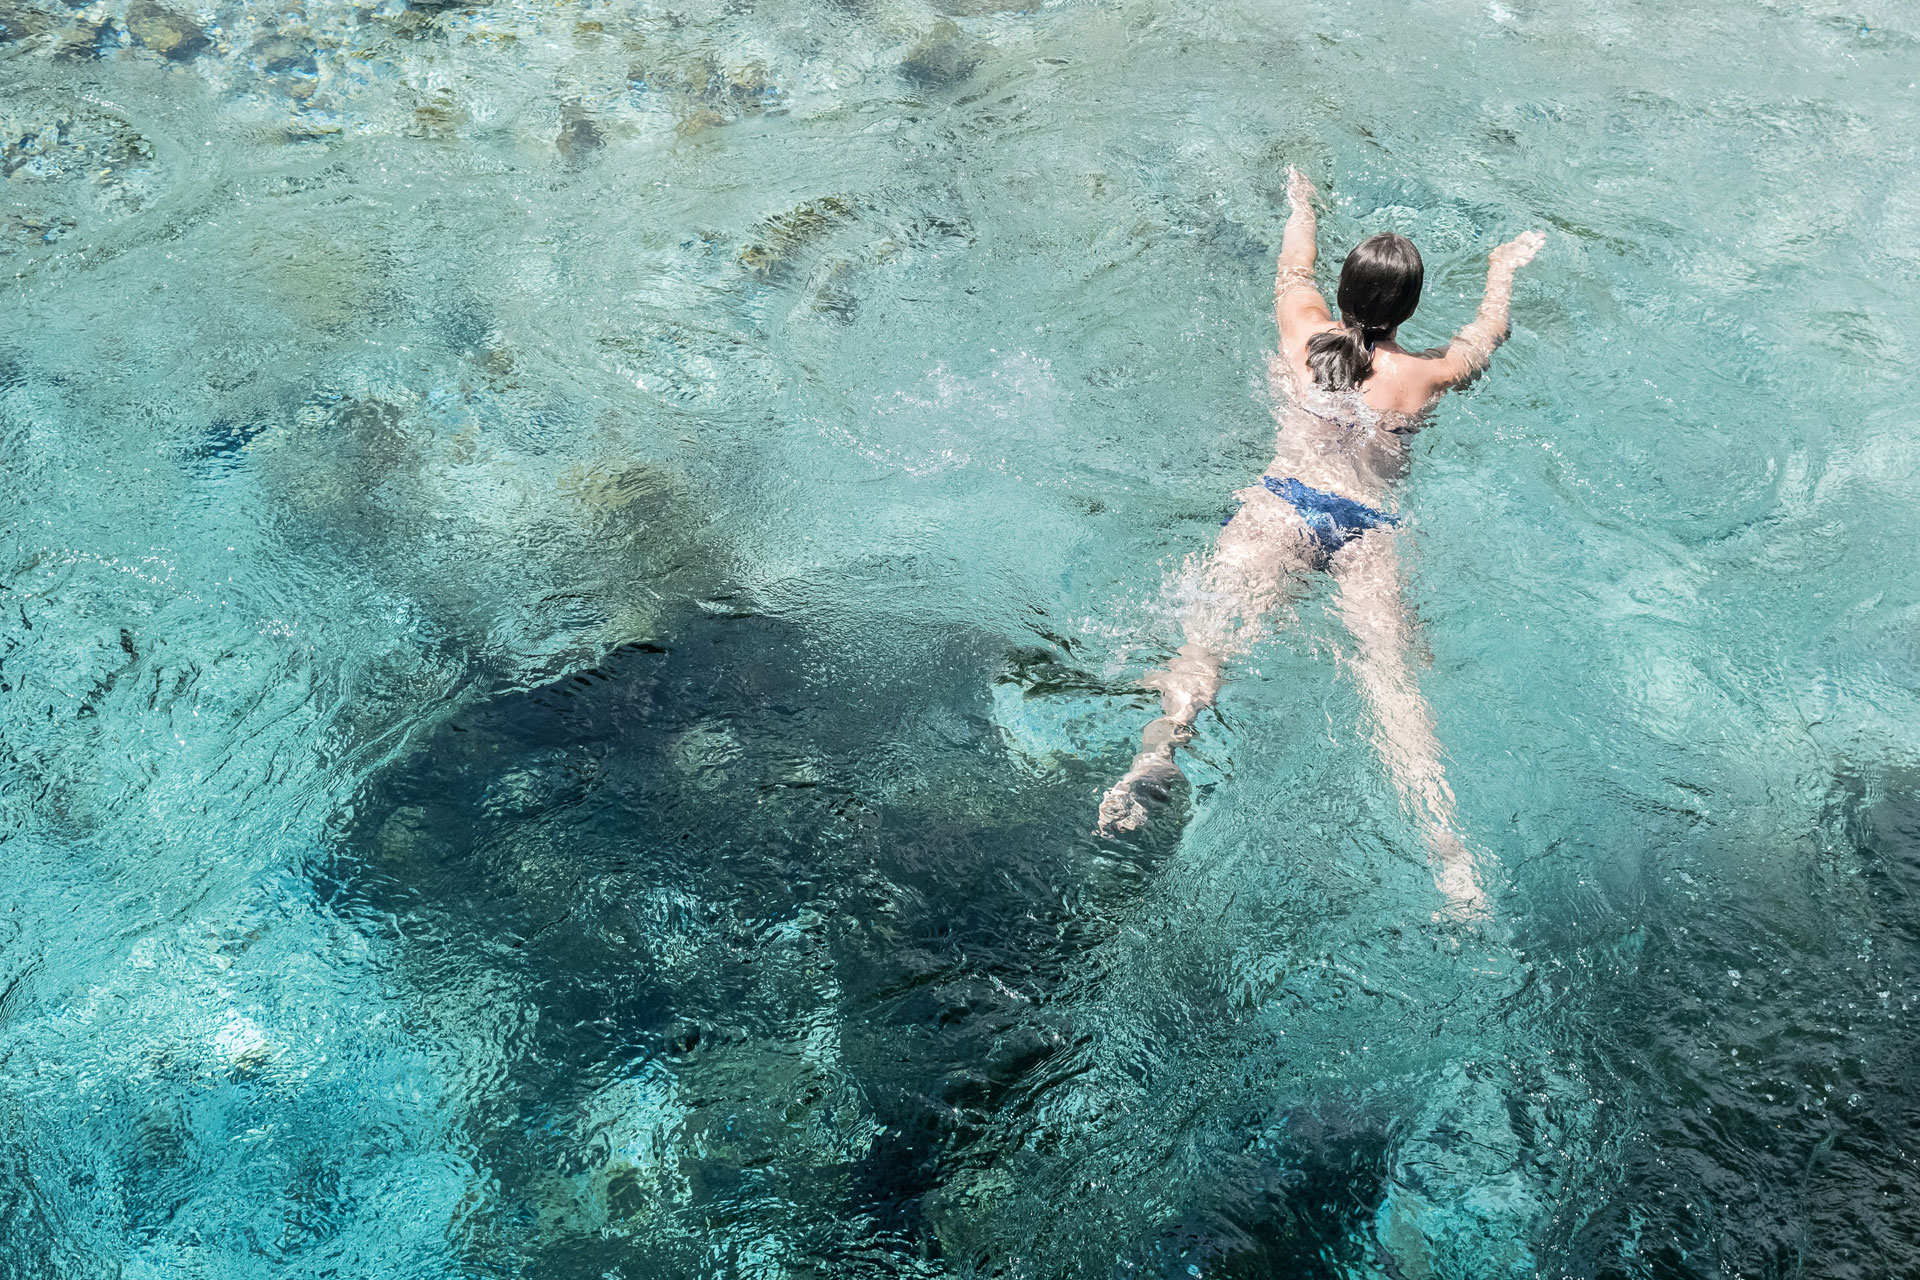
pixel 573 572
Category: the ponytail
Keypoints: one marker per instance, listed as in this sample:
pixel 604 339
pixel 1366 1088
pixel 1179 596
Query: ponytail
pixel 1379 288
pixel 1342 358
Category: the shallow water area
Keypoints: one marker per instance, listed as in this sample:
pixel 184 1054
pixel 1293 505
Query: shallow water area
pixel 573 576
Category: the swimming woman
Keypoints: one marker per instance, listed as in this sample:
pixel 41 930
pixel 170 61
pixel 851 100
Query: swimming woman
pixel 1350 398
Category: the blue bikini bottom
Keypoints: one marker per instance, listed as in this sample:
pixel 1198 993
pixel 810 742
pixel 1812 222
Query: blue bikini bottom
pixel 1335 520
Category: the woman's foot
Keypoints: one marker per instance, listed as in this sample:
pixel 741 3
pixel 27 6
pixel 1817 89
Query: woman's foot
pixel 1124 807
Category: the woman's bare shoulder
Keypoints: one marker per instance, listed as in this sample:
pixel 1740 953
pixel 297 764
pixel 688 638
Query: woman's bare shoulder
pixel 1299 334
pixel 1418 364
pixel 1415 379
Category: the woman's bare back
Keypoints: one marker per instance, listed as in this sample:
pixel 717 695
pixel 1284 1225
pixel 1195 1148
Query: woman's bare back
pixel 1338 442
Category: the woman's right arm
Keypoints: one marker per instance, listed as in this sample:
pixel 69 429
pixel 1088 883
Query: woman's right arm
pixel 1473 346
pixel 1298 308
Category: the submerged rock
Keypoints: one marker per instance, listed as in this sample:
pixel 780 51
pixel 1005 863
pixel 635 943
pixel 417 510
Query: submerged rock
pixel 27 230
pixel 86 38
pixel 438 116
pixel 290 64
pixel 67 168
pixel 168 33
pixel 580 136
pixel 941 57
pixel 698 121
pixel 705 93
pixel 18 21
pixel 784 234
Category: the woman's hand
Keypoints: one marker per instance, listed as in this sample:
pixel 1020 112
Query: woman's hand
pixel 1473 346
pixel 1517 252
pixel 1300 192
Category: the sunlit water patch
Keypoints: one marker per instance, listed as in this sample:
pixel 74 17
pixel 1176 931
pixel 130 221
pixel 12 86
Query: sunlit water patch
pixel 573 575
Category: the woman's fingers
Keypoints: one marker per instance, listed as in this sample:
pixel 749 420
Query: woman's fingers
pixel 1300 191
pixel 1519 251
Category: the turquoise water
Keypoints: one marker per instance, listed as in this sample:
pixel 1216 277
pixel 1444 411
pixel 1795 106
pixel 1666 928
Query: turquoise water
pixel 573 575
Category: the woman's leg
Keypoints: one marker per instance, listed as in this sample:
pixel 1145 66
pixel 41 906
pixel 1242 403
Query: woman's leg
pixel 1229 594
pixel 1372 607
pixel 1186 686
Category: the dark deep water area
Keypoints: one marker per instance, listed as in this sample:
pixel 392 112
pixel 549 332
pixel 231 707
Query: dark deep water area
pixel 934 913
pixel 937 917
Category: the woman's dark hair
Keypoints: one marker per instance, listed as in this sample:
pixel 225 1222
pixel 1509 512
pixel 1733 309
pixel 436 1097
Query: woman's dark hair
pixel 1379 288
